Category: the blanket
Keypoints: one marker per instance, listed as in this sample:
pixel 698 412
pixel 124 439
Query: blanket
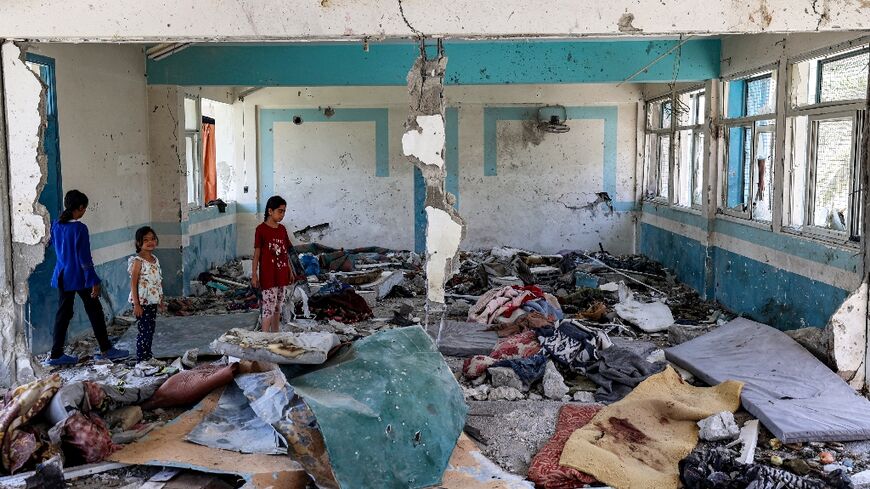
pixel 638 442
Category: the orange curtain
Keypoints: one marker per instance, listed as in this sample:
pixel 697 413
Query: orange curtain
pixel 209 164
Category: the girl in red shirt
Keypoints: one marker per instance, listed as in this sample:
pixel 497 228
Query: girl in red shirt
pixel 271 271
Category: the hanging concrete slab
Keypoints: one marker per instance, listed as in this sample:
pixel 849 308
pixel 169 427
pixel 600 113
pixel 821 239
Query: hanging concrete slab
pixel 795 396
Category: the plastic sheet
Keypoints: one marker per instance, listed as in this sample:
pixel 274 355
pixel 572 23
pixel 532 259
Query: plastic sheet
pixel 233 425
pixel 389 409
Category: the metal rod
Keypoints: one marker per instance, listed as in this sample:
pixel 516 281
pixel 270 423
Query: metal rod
pixel 661 57
pixel 623 274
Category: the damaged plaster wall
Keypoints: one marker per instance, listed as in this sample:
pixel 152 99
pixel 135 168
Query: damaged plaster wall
pixel 25 116
pixel 15 366
pixel 104 152
pixel 192 239
pixel 768 275
pixel 849 335
pixel 550 183
pixel 423 145
pixel 266 20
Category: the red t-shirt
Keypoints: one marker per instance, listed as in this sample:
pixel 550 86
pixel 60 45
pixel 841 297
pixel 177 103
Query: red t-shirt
pixel 274 245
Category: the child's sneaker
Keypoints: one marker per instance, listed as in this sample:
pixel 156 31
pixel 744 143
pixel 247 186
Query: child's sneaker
pixel 112 354
pixel 63 360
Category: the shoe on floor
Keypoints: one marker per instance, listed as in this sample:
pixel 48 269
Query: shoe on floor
pixel 62 361
pixel 112 354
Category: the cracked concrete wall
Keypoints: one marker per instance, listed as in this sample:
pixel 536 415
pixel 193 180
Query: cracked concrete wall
pixel 547 182
pixel 423 145
pixel 25 227
pixel 25 116
pixel 245 20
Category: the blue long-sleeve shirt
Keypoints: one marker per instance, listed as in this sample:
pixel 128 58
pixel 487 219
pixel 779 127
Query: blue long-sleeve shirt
pixel 72 244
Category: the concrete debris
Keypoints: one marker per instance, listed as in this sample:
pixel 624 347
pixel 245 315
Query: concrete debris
pixel 720 426
pixel 818 341
pixel 505 394
pixel 584 396
pixel 124 418
pixel 506 377
pixel 385 284
pixel 479 393
pixel 554 384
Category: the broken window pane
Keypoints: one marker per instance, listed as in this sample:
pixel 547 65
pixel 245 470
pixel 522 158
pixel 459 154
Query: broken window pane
pixel 664 151
pixel 833 157
pixel 844 77
pixel 666 114
pixel 738 152
pixel 762 209
pixel 192 118
pixel 683 167
pixel 759 96
pixel 697 169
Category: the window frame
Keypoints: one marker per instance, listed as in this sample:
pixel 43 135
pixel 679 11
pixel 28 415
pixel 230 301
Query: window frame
pixel 832 59
pixel 658 133
pixel 696 130
pixel 196 201
pixel 672 132
pixel 727 123
pixel 853 226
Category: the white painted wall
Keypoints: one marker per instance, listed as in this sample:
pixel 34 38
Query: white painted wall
pixel 103 124
pixel 326 170
pixel 337 19
pixel 749 52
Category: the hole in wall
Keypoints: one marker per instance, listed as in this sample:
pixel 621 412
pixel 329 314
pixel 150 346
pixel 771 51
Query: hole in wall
pixel 297 120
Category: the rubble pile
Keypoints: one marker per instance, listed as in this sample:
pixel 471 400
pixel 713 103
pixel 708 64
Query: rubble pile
pixel 570 347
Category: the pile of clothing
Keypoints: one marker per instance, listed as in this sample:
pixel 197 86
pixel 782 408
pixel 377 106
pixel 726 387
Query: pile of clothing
pixel 507 304
pixel 338 301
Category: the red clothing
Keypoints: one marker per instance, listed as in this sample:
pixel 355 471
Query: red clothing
pixel 274 245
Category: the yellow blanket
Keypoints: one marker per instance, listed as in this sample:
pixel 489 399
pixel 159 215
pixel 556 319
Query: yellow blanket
pixel 637 442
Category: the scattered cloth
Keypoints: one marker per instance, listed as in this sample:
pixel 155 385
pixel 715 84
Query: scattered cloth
pixel 345 306
pixel 639 441
pixel 595 312
pixel 786 386
pixel 573 344
pixel 89 435
pixel 529 321
pixel 303 348
pixel 501 303
pixel 191 386
pixel 648 316
pixel 19 443
pixel 717 469
pixel 523 345
pixel 617 371
pixel 529 370
pixel 545 470
pixel 548 306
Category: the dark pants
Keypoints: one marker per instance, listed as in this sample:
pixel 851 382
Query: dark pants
pixel 65 313
pixel 146 332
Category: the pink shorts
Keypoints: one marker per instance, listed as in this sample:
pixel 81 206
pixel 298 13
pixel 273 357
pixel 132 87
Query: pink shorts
pixel 272 300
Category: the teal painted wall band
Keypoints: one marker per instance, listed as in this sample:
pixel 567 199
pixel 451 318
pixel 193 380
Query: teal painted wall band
pixel 470 63
pixel 808 249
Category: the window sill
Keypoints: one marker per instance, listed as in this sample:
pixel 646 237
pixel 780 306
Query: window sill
pixel 840 242
pixel 764 226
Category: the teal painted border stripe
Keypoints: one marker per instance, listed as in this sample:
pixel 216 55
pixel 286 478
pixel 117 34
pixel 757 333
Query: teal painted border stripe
pixel 844 259
pixel 678 215
pixel 451 157
pixel 268 118
pixel 491 116
pixel 470 63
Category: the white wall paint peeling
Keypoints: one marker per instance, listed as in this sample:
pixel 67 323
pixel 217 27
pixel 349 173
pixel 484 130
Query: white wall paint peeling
pixel 25 123
pixel 337 19
pixel 849 328
pixel 443 235
pixel 427 143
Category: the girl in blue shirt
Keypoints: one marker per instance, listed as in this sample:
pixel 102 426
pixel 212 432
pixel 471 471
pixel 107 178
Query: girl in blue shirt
pixel 75 274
